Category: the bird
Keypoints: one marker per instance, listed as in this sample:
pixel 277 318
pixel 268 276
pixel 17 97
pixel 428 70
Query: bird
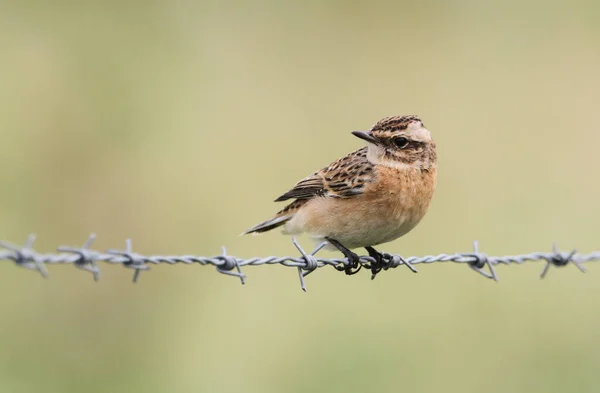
pixel 371 196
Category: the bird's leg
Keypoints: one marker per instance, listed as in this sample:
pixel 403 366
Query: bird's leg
pixel 380 261
pixel 353 260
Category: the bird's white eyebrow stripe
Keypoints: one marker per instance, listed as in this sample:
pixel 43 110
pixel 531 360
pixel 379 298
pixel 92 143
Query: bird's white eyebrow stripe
pixel 422 134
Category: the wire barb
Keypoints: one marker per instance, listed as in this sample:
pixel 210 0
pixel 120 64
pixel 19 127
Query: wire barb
pixel 25 256
pixel 87 259
pixel 311 263
pixel 559 259
pixel 393 261
pixel 229 263
pixel 133 260
pixel 480 261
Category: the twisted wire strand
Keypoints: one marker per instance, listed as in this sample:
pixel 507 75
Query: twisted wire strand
pixel 87 259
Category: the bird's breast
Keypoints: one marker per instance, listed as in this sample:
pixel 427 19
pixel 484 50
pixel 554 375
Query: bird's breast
pixel 400 198
pixel 388 208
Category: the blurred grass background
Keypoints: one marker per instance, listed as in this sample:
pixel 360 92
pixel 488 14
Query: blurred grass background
pixel 177 123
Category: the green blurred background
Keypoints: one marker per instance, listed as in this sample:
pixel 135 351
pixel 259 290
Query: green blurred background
pixel 177 123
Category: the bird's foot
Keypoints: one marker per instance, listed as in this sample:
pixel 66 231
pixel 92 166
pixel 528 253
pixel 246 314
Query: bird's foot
pixel 353 266
pixel 382 261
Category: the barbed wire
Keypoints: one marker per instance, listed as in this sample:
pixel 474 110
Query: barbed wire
pixel 87 259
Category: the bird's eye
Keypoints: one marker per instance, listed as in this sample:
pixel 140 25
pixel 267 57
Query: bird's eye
pixel 401 142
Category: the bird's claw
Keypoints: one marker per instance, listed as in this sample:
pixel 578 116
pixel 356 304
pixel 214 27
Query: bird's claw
pixel 352 267
pixel 382 261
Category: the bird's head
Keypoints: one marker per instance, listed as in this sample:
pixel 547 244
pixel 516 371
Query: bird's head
pixel 400 142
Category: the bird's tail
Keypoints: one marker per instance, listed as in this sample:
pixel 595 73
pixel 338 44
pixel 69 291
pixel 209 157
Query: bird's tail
pixel 278 220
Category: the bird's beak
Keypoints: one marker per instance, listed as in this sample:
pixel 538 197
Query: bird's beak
pixel 367 136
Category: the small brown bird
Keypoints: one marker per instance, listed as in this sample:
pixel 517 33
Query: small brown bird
pixel 371 196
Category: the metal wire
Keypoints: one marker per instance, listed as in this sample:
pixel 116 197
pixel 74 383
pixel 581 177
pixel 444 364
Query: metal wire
pixel 87 259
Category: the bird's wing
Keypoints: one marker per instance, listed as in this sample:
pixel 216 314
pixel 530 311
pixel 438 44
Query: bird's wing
pixel 344 178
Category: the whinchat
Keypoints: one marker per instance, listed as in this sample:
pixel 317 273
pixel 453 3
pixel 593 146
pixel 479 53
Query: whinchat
pixel 371 196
